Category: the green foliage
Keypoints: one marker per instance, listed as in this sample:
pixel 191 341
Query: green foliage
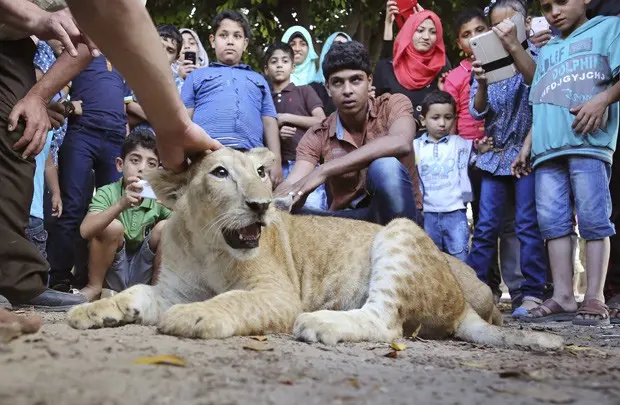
pixel 362 19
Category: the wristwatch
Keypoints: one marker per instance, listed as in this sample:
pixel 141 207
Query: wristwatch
pixel 69 108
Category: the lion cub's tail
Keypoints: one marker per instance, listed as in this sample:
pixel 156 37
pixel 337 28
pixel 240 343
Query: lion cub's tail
pixel 474 329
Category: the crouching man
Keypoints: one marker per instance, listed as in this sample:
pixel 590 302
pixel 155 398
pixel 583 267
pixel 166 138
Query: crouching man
pixel 365 148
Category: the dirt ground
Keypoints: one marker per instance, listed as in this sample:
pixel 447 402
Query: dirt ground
pixel 59 365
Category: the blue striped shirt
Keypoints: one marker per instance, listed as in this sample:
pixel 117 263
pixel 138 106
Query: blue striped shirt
pixel 229 103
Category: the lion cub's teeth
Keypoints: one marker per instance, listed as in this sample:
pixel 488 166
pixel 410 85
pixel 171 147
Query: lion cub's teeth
pixel 240 237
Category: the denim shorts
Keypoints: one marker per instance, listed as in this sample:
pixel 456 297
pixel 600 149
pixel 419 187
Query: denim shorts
pixel 574 184
pixel 449 231
pixel 129 269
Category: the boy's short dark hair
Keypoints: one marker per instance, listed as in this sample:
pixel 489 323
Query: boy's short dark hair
pixel 139 137
pixel 466 16
pixel 278 46
pixel 235 16
pixel 172 33
pixel 437 97
pixel 346 55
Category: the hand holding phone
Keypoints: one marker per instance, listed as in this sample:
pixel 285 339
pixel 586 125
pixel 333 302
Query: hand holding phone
pixel 191 56
pixel 539 24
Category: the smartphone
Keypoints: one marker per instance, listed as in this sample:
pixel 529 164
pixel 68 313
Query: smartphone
pixel 405 10
pixel 189 55
pixel 539 24
pixel 147 190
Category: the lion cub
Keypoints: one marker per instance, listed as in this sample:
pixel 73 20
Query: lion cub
pixel 234 265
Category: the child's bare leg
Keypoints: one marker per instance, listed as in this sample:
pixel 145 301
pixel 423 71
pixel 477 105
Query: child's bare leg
pixel 102 251
pixel 154 242
pixel 561 261
pixel 597 259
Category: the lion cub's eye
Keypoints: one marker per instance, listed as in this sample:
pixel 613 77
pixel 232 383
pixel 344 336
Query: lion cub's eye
pixel 261 171
pixel 220 172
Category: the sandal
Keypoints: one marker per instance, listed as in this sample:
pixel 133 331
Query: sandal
pixel 548 311
pixel 614 305
pixel 593 307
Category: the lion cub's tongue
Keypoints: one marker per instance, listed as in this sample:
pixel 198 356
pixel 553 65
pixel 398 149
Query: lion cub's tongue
pixel 251 232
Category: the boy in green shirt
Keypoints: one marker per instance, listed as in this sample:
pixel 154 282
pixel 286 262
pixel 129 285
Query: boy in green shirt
pixel 124 229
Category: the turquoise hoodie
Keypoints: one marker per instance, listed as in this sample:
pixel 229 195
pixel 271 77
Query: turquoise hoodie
pixel 320 77
pixel 306 71
pixel 569 72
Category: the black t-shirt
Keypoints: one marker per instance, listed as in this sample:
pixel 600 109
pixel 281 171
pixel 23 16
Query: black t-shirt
pixel 603 7
pixel 385 81
pixel 321 91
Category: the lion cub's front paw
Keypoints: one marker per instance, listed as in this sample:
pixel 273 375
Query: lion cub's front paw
pixel 331 327
pixel 105 313
pixel 195 321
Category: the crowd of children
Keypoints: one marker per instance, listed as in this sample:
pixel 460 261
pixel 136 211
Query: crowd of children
pixel 530 154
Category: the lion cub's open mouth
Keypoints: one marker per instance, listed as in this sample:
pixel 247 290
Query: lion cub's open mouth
pixel 244 238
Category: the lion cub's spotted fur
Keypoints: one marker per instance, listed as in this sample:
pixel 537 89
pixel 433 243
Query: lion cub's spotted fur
pixel 325 279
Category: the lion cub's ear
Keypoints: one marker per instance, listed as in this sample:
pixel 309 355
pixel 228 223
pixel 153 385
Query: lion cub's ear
pixel 262 156
pixel 169 186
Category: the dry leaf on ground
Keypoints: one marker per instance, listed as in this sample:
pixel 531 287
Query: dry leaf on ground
pixel 475 365
pixel 536 375
pixel 257 347
pixel 165 359
pixel 393 354
pixel 398 346
pixel 355 382
pixel 574 349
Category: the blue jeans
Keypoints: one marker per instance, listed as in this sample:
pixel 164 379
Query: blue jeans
pixel 317 199
pixel 494 195
pixel 37 235
pixel 449 231
pixel 390 196
pixel 83 150
pixel 574 183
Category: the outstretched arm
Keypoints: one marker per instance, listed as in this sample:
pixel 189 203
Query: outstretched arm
pixel 134 47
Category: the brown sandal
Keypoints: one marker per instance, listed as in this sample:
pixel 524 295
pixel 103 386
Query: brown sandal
pixel 592 307
pixel 548 311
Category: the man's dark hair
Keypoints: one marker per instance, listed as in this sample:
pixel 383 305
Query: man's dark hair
pixel 437 97
pixel 172 33
pixel 278 46
pixel 234 16
pixel 466 16
pixel 143 137
pixel 346 55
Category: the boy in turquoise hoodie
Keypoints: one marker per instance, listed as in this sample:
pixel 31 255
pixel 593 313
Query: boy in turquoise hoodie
pixel 575 96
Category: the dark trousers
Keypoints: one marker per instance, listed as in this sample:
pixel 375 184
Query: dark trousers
pixel 84 149
pixel 23 271
pixel 493 200
pixel 612 285
pixel 391 196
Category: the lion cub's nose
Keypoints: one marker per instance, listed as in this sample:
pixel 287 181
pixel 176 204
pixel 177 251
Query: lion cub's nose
pixel 258 207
